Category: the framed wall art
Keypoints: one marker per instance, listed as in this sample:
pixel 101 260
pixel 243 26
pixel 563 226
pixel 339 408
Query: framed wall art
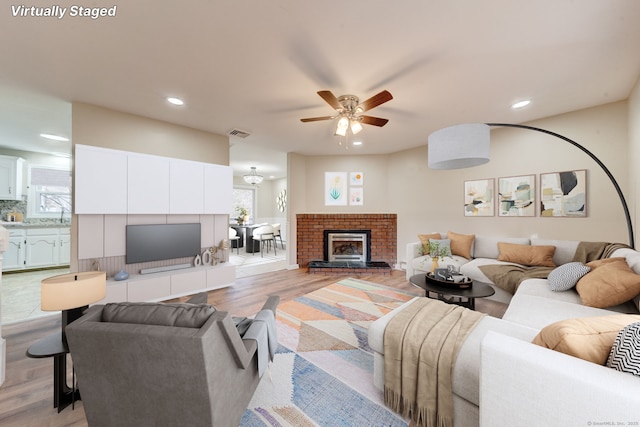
pixel 563 194
pixel 356 178
pixel 335 189
pixel 478 197
pixel 517 196
pixel 356 196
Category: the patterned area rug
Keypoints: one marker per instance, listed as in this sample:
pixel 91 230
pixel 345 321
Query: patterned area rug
pixel 322 374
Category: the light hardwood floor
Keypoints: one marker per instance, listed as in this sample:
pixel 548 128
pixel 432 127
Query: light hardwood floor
pixel 26 397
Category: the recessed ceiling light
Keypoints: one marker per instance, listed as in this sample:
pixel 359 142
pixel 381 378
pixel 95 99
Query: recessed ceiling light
pixel 61 154
pixel 521 104
pixel 175 101
pixel 54 137
pixel 357 142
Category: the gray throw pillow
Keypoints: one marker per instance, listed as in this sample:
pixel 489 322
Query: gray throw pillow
pixel 566 276
pixel 625 353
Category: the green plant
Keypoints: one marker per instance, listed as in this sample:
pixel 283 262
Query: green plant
pixel 437 251
pixel 242 213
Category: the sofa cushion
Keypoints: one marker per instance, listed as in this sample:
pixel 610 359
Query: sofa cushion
pixel 625 352
pixel 424 239
pixel 610 282
pixel 586 338
pixel 461 243
pixel 161 314
pixel 541 256
pixel 566 276
pixel 565 249
pixel 487 246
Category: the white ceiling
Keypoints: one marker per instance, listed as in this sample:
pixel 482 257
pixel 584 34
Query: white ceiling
pixel 256 65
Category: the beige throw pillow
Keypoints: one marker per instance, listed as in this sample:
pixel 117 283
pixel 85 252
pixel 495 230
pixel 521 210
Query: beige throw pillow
pixel 526 254
pixel 589 338
pixel 610 282
pixel 461 243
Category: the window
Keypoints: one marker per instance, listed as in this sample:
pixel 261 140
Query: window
pixel 244 198
pixel 49 192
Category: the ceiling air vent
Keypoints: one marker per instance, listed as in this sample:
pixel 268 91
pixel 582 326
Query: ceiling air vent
pixel 238 133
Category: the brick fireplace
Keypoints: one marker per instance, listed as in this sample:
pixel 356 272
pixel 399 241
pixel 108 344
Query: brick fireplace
pixel 311 227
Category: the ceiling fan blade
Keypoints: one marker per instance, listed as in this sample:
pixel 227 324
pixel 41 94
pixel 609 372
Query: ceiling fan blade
pixel 375 121
pixel 316 119
pixel 375 100
pixel 330 98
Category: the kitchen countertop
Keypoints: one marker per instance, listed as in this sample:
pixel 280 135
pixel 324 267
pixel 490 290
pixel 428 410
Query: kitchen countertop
pixel 7 224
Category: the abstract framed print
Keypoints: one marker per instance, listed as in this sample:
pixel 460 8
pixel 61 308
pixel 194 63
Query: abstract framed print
pixel 563 194
pixel 478 197
pixel 517 196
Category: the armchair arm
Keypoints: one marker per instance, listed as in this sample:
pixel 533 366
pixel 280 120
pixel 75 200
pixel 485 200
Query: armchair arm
pixel 525 385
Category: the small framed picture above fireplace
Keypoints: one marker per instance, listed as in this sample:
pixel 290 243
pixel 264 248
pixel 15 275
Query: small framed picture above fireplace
pixel 335 188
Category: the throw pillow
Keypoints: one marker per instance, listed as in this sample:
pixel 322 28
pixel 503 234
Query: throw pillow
pixel 439 247
pixel 610 282
pixel 566 276
pixel 589 338
pixel 541 256
pixel 424 239
pixel 625 352
pixel 461 243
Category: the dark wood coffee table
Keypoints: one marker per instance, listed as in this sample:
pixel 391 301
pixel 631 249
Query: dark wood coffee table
pixel 451 294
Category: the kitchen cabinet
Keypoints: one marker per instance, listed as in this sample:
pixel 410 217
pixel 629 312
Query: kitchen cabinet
pixel 37 247
pixel 14 256
pixel 11 178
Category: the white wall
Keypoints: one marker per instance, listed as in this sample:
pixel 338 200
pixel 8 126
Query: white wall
pixel 634 156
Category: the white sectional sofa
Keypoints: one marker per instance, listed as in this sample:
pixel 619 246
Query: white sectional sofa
pixel 501 378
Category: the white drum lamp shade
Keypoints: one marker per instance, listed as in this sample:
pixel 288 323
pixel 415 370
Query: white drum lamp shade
pixel 459 146
pixel 68 291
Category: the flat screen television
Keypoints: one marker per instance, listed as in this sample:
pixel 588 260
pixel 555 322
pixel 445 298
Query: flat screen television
pixel 156 242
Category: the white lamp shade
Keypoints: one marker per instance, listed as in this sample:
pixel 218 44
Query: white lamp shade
pixel 460 146
pixel 73 290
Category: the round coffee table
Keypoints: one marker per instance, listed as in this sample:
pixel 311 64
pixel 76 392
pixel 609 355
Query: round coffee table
pixel 451 294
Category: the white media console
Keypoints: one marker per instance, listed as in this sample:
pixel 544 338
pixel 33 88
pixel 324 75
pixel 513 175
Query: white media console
pixel 170 284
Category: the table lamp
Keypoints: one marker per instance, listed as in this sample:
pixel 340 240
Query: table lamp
pixel 72 293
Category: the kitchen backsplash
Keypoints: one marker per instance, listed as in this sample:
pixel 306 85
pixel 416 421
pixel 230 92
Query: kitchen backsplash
pixel 8 207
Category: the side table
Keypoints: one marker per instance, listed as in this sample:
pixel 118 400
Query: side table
pixel 450 294
pixel 53 346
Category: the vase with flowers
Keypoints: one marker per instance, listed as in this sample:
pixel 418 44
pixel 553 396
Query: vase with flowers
pixel 243 215
pixel 437 251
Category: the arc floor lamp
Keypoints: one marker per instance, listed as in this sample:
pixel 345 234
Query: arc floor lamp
pixel 467 145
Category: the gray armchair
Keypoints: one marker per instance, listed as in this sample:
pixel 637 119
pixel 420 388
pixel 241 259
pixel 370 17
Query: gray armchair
pixel 154 364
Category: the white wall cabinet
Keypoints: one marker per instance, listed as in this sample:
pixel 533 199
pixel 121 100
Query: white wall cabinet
pixel 100 180
pixel 120 182
pixel 11 178
pixel 148 180
pixel 37 247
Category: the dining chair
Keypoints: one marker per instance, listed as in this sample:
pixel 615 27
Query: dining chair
pixel 277 234
pixel 265 235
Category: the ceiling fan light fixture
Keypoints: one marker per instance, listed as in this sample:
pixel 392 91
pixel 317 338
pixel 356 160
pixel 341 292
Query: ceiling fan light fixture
pixel 252 177
pixel 356 127
pixel 343 125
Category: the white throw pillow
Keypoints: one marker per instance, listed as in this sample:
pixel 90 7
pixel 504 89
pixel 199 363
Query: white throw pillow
pixel 566 276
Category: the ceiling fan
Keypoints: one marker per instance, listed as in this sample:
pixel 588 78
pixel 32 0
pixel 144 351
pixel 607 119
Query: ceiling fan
pixel 349 110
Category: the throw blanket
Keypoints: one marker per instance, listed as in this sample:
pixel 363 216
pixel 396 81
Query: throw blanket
pixel 509 277
pixel 421 344
pixel 591 251
pixel 263 331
